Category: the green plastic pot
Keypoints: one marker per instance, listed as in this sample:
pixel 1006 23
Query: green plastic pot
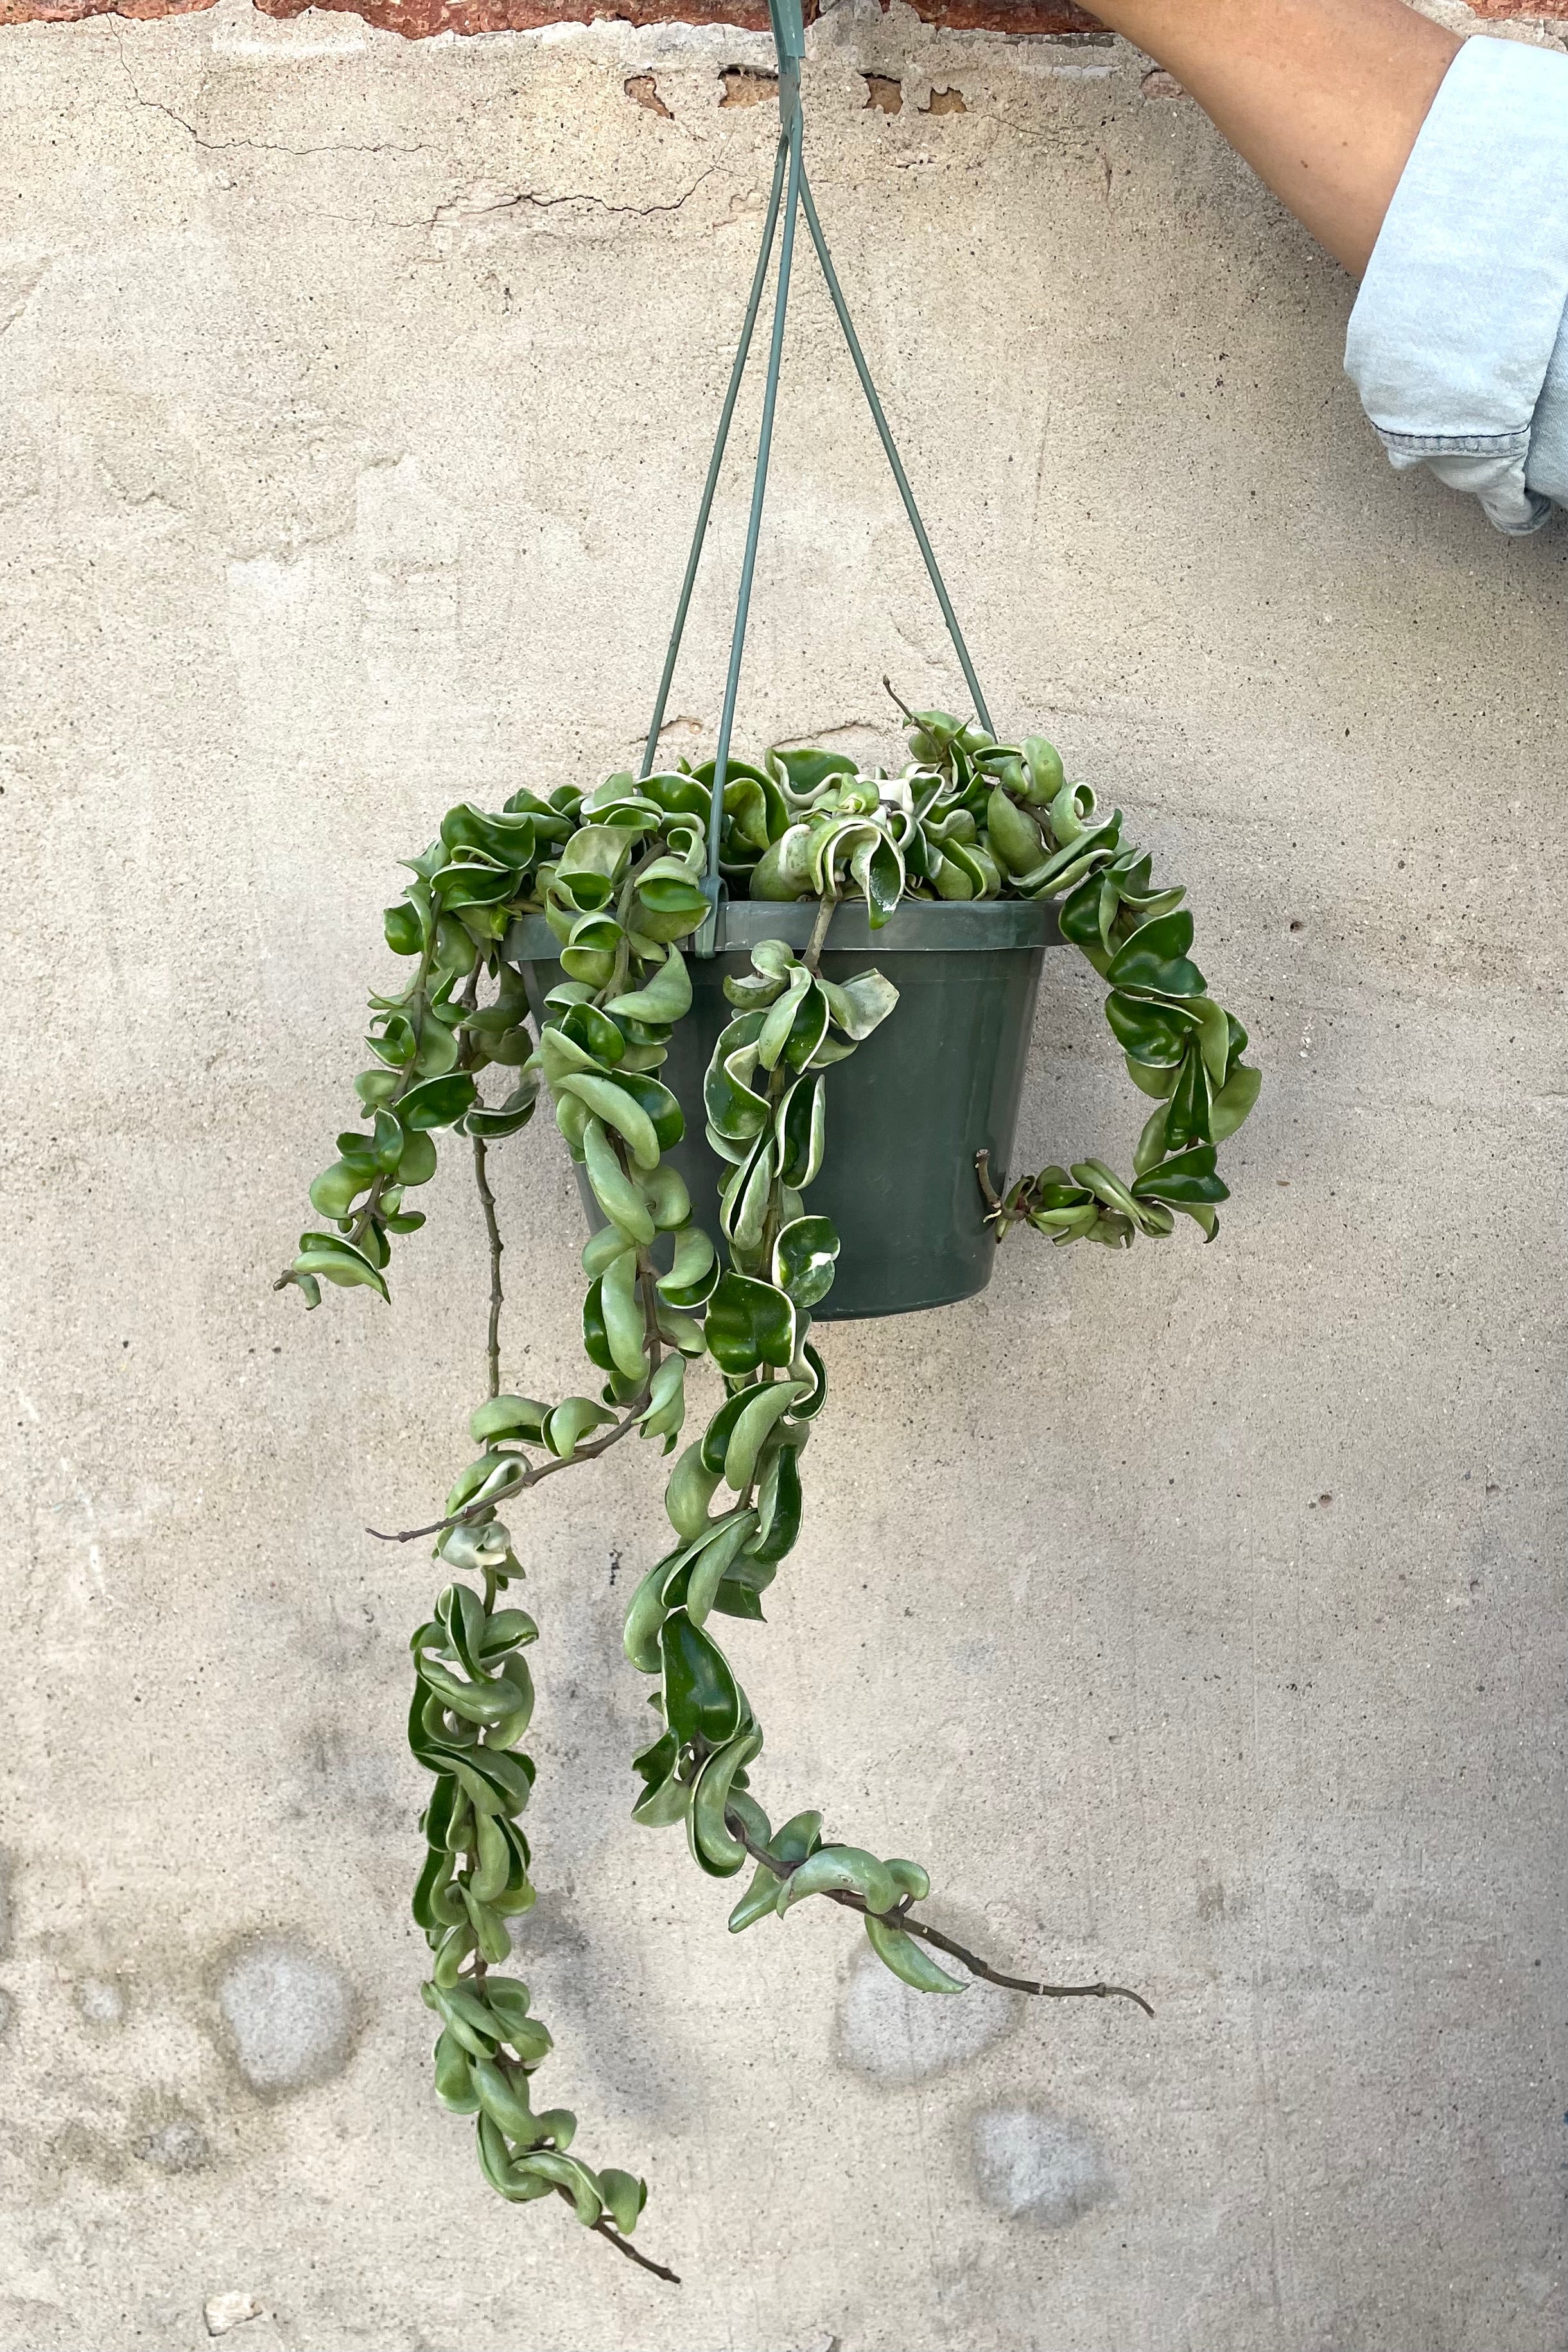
pixel 938 1082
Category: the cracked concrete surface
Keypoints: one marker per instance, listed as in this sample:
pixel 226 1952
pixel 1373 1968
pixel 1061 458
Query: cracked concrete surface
pixel 260 146
pixel 483 200
pixel 1192 1614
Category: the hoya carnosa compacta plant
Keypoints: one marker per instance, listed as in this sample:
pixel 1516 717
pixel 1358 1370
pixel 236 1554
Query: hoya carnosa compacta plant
pixel 618 874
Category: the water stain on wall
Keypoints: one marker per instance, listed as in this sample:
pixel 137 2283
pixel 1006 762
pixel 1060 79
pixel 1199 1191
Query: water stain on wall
pixel 100 2001
pixel 290 2014
pixel 177 2146
pixel 341 1780
pixel 894 2036
pixel 94 2148
pixel 1035 2166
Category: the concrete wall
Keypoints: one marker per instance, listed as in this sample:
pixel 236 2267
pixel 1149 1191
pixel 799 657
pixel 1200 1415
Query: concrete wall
pixel 1195 1614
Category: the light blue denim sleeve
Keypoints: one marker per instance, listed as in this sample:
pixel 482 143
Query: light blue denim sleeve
pixel 1456 343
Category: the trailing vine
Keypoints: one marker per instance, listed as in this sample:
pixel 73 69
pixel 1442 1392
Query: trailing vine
pixel 618 875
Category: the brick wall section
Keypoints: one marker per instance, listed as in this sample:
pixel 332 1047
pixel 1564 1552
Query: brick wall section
pixel 418 19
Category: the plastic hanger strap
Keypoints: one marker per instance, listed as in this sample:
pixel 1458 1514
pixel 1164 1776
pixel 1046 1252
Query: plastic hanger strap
pixel 791 190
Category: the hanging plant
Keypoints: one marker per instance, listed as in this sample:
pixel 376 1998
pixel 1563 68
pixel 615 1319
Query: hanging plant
pixel 619 877
pixel 623 879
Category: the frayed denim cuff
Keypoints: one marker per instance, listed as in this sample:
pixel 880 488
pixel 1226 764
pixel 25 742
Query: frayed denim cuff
pixel 1456 343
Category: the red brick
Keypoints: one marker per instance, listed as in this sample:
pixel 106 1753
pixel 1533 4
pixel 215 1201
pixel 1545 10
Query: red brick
pixel 418 19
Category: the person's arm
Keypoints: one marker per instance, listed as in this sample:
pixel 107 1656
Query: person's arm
pixel 1323 98
pixel 1437 169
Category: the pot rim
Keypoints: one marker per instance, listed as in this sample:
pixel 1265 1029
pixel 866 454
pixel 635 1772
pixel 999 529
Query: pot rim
pixel 917 927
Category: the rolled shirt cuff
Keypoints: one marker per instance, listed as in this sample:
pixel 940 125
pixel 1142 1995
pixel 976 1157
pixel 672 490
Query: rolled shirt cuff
pixel 1456 341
